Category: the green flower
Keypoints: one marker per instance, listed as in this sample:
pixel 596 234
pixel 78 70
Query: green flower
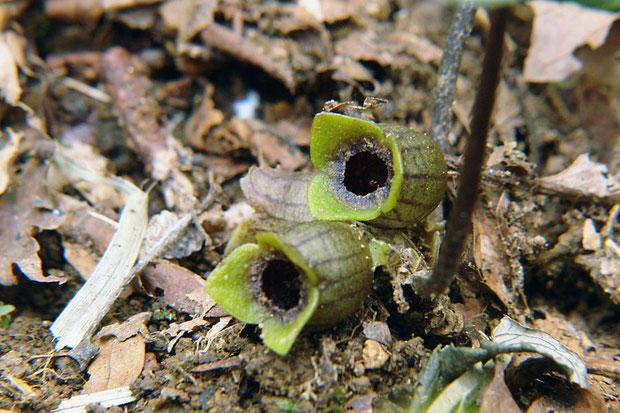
pixel 314 273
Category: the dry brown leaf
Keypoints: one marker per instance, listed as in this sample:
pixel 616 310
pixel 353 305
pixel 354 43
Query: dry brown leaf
pixel 491 258
pixel 560 28
pixel 179 287
pixel 565 332
pixel 118 364
pixel 128 83
pixel 9 142
pixel 187 17
pixel 497 397
pixel 121 358
pixel 25 209
pixel 74 10
pixel 11 10
pixel 229 363
pixel 578 401
pixel 604 267
pixel 271 55
pixel 202 120
pixel 584 178
pixel 80 258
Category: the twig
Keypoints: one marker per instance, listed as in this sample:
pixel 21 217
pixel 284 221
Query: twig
pixel 443 95
pixel 459 222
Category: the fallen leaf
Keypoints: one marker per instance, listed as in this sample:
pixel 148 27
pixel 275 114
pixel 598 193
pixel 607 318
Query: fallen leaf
pixel 11 45
pixel 121 357
pixel 492 260
pixel 11 10
pixel 229 363
pixel 190 241
pixel 202 120
pixel 604 267
pixel 584 178
pixel 180 288
pixel 9 142
pixel 558 29
pixel 118 364
pixel 578 401
pixel 25 209
pixel 74 10
pixel 187 17
pixel 136 324
pixel 131 88
pixel 178 330
pixel 497 397
pixel 592 240
pixel 271 55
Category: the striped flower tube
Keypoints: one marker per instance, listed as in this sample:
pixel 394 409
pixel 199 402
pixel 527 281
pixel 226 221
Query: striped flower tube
pixel 313 273
pixel 386 174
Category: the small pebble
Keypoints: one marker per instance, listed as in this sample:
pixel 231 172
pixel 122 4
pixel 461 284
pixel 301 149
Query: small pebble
pixel 374 355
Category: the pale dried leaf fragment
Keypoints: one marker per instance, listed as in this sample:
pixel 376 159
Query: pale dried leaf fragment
pixel 136 324
pixel 178 330
pixel 592 240
pixel 188 242
pixel 559 29
pixel 583 178
pixel 106 398
pixel 271 55
pixel 10 89
pixel 9 142
pixel 123 4
pixel 91 303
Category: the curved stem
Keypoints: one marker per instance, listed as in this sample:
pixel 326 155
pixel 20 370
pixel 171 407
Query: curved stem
pixel 443 95
pixel 459 222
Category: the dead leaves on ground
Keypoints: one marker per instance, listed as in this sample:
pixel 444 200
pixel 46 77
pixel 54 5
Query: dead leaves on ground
pixel 25 209
pixel 559 29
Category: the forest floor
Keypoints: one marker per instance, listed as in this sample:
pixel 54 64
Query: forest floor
pixel 188 94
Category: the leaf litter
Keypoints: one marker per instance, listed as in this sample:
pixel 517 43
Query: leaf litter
pixel 159 105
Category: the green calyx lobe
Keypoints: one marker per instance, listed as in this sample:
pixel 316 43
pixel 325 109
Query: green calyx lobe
pixel 315 274
pixel 386 174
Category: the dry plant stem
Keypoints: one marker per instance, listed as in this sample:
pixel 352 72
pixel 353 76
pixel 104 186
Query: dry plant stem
pixel 459 222
pixel 443 95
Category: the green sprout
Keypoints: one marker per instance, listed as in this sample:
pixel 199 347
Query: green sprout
pixel 5 318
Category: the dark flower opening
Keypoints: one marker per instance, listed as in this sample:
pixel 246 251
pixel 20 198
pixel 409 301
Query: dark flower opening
pixel 281 283
pixel 364 173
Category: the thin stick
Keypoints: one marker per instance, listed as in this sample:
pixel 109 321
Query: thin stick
pixel 459 222
pixel 443 95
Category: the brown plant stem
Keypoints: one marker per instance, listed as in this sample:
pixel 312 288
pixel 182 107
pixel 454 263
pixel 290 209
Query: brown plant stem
pixel 459 222
pixel 443 95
